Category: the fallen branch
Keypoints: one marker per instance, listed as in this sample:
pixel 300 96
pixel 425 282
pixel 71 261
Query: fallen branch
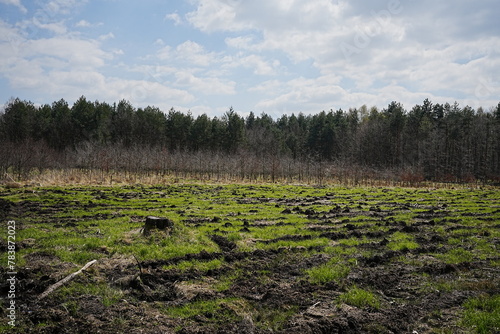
pixel 64 280
pixel 139 264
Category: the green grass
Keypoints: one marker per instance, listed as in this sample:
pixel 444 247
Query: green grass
pixel 334 270
pixel 482 314
pixel 273 319
pixel 313 242
pixel 402 241
pixel 226 281
pixel 217 310
pixel 79 224
pixel 203 266
pixel 360 298
pixel 108 295
pixel 456 256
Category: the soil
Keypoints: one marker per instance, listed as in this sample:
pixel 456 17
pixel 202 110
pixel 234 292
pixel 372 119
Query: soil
pixel 272 282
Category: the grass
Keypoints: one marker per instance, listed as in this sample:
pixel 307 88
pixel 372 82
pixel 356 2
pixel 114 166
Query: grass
pixel 195 308
pixel 216 310
pixel 76 224
pixel 402 241
pixel 273 319
pixel 360 298
pixel 333 270
pixel 202 266
pixel 456 256
pixel 290 244
pixel 108 295
pixel 226 281
pixel 482 314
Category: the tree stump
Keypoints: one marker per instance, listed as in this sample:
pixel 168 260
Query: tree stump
pixel 160 223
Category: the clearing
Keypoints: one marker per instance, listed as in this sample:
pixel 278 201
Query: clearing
pixel 254 259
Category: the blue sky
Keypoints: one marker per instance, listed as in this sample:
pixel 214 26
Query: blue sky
pixel 273 56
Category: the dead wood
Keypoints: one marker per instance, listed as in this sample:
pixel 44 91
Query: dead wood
pixel 68 278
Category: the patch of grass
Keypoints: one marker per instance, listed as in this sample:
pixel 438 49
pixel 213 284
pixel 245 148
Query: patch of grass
pixel 340 250
pixel 217 310
pixel 274 318
pixel 402 241
pixel 484 248
pixel 456 256
pixel 333 270
pixel 109 295
pixel 203 266
pixel 464 284
pixel 313 242
pixel 183 240
pixel 360 298
pixel 351 242
pixel 482 314
pixel 225 282
pixel 275 231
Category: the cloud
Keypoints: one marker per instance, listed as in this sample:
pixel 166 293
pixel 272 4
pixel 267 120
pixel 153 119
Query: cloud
pixel 58 28
pixel 411 49
pixel 188 52
pixel 142 92
pixel 74 53
pixel 213 15
pixel 107 36
pixel 174 17
pixel 316 94
pixel 284 15
pixel 87 24
pixel 83 24
pixel 16 3
pixel 59 7
pixel 195 54
pixel 206 85
pixel 272 56
pixel 256 63
pixel 241 42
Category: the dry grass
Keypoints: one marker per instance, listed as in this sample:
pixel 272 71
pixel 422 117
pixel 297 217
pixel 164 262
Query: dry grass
pixel 76 176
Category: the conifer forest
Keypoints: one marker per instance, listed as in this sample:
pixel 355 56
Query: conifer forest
pixel 428 142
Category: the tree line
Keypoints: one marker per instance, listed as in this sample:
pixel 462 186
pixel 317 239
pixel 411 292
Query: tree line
pixel 443 142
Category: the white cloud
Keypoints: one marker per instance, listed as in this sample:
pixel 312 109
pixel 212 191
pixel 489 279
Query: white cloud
pixel 58 28
pixel 195 54
pixel 142 92
pixel 284 15
pixel 87 24
pixel 75 53
pixel 411 49
pixel 291 96
pixel 174 17
pixel 280 55
pixel 16 3
pixel 83 24
pixel 60 7
pixel 213 15
pixel 190 53
pixel 241 42
pixel 107 36
pixel 164 53
pixel 256 63
pixel 205 85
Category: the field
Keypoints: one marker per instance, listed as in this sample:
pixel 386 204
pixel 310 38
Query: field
pixel 254 259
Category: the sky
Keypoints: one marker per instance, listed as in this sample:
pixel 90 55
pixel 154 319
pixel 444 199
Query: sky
pixel 272 56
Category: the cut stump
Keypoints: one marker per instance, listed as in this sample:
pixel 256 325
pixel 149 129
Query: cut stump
pixel 160 223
